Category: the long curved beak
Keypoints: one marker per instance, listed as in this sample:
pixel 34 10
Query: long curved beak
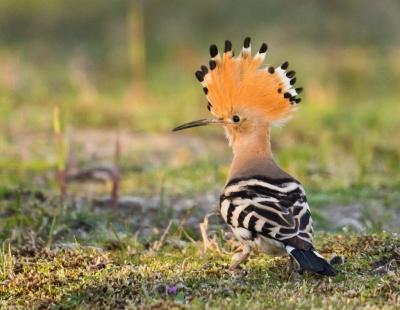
pixel 201 122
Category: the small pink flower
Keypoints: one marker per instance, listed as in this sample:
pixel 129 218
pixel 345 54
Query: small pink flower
pixel 172 289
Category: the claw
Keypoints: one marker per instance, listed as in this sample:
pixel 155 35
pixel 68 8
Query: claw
pixel 246 254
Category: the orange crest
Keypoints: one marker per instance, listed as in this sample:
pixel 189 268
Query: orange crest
pixel 235 83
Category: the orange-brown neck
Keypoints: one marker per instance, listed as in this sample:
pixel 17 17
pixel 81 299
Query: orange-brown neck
pixel 253 156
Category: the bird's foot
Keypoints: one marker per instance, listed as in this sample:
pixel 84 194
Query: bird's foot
pixel 239 261
pixel 290 268
pixel 290 265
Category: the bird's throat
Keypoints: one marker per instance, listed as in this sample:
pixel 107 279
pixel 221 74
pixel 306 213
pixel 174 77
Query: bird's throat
pixel 253 156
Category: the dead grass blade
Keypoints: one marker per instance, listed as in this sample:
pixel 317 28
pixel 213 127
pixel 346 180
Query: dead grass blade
pixel 157 245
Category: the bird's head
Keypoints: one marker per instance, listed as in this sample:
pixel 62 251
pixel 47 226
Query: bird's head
pixel 245 98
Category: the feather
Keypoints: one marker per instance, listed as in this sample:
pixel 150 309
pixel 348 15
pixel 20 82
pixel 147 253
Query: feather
pixel 273 215
pixel 235 83
pixel 312 261
pixel 281 206
pixel 266 208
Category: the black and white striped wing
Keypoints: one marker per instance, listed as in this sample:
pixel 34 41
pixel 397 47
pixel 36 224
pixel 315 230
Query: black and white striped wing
pixel 277 210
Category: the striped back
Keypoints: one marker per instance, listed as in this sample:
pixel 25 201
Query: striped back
pixel 274 208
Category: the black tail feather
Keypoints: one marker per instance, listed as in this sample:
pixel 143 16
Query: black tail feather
pixel 328 269
pixel 312 261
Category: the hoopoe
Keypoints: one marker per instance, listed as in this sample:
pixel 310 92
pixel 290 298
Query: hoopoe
pixel 265 207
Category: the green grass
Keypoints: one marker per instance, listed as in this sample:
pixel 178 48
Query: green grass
pixel 97 261
pixel 342 145
pixel 76 276
pixel 341 159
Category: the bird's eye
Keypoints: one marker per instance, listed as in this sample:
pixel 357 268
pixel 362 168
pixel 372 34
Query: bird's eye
pixel 236 119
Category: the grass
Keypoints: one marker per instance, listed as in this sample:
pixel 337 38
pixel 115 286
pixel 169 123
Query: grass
pixel 342 145
pixel 70 254
pixel 65 256
pixel 178 276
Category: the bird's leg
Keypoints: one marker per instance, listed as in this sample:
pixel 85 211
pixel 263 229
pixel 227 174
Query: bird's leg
pixel 245 255
pixel 290 265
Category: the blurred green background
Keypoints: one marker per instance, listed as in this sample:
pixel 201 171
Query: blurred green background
pixel 127 68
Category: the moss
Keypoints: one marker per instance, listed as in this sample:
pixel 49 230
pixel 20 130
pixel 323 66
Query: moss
pixel 73 275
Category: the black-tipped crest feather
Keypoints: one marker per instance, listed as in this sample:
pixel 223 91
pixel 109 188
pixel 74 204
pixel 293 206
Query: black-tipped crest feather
pixel 228 46
pixel 213 51
pixel 263 48
pixel 199 76
pixel 290 74
pixel 246 43
pixel 213 64
pixel 204 70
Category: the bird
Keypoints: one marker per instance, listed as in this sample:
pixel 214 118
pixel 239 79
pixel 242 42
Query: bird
pixel 265 207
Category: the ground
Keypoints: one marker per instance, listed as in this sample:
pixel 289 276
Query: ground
pixel 180 275
pixel 137 243
pixel 148 252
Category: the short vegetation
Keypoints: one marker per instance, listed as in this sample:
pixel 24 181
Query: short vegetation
pixel 138 226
